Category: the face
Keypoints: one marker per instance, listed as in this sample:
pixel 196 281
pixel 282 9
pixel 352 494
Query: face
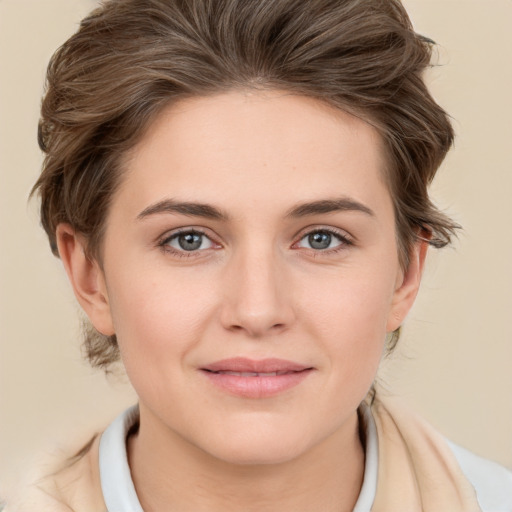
pixel 251 274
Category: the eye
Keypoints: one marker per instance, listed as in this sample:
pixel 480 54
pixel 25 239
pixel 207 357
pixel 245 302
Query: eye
pixel 188 241
pixel 323 239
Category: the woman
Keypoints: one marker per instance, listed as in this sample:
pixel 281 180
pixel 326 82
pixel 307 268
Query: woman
pixel 238 192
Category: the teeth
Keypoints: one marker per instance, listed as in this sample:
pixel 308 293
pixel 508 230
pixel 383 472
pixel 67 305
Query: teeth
pixel 251 374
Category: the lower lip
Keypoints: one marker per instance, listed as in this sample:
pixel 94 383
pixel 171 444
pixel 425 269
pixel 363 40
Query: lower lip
pixel 257 387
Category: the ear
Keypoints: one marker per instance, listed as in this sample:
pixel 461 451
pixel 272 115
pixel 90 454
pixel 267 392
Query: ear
pixel 86 277
pixel 407 285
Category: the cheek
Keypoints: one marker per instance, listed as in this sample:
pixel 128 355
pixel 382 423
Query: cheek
pixel 350 318
pixel 361 333
pixel 355 302
pixel 158 316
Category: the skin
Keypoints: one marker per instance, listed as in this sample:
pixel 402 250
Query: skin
pixel 255 288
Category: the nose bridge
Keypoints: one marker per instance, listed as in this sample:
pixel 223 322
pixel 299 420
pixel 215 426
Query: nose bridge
pixel 257 299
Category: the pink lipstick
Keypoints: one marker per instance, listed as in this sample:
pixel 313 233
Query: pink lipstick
pixel 255 378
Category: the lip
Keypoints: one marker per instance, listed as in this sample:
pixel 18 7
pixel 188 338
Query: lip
pixel 250 378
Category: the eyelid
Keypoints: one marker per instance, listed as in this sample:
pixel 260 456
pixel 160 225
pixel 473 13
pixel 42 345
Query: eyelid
pixel 345 238
pixel 163 241
pixel 342 233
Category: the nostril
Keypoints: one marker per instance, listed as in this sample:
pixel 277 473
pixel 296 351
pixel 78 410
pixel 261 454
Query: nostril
pixel 256 314
pixel 257 331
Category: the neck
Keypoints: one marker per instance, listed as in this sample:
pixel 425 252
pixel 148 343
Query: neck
pixel 171 474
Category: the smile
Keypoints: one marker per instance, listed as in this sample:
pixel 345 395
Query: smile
pixel 253 374
pixel 248 378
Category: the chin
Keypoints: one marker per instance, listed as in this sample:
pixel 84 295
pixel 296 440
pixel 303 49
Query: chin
pixel 258 455
pixel 259 445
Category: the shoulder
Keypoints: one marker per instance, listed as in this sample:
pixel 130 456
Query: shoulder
pixel 437 462
pixel 36 498
pixel 71 484
pixel 492 482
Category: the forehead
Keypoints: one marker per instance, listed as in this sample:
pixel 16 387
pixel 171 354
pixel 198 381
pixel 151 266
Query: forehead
pixel 255 145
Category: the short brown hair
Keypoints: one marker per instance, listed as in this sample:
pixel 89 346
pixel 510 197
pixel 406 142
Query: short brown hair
pixel 131 58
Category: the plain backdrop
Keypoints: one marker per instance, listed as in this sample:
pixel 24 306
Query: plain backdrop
pixel 454 362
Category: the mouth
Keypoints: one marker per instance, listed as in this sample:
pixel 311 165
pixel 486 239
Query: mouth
pixel 252 367
pixel 249 378
pixel 252 374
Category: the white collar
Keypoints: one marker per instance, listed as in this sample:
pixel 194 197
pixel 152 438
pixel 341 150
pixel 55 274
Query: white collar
pixel 116 481
pixel 369 488
pixel 117 484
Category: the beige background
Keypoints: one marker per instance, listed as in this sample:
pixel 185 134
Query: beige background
pixel 455 360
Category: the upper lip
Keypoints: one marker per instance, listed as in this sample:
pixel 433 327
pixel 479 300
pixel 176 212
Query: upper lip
pixel 245 365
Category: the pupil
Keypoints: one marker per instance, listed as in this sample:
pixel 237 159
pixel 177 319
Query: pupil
pixel 320 240
pixel 190 241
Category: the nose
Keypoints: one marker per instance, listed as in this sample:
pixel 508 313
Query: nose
pixel 257 294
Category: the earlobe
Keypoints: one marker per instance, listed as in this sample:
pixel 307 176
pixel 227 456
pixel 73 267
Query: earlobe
pixel 408 286
pixel 86 278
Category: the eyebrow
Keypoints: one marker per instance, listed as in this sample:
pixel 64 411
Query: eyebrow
pixel 184 208
pixel 208 211
pixel 342 204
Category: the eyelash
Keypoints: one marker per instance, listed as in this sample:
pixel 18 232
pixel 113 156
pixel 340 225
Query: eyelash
pixel 164 242
pixel 343 238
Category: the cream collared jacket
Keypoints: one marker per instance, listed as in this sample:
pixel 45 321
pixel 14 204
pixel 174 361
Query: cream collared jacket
pixel 417 473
